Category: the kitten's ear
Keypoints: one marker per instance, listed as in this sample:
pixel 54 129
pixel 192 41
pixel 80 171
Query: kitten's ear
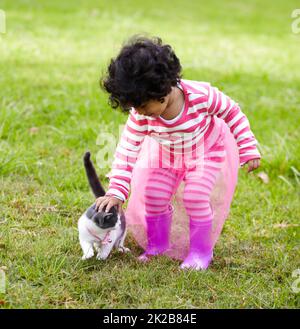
pixel 90 212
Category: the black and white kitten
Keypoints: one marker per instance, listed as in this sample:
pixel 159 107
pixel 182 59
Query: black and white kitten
pixel 100 231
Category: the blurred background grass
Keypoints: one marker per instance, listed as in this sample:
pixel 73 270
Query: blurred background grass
pixel 52 110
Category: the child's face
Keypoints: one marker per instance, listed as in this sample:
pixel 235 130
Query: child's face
pixel 153 108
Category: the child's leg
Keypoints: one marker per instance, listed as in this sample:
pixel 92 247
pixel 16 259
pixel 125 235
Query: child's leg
pixel 158 193
pixel 159 190
pixel 198 187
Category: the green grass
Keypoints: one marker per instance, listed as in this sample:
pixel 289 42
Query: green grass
pixel 51 58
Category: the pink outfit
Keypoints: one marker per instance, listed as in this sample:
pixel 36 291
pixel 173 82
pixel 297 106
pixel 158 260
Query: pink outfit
pixel 190 162
pixel 186 132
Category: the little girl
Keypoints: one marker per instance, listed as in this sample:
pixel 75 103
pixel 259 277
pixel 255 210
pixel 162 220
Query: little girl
pixel 179 133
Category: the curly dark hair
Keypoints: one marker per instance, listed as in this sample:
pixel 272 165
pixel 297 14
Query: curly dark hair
pixel 144 70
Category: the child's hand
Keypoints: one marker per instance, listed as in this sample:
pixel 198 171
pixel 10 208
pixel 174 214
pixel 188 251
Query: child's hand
pixel 252 164
pixel 108 201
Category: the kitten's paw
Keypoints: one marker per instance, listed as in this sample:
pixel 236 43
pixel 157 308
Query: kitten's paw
pixel 123 249
pixel 102 256
pixel 87 255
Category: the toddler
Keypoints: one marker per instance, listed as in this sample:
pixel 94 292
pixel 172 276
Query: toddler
pixel 179 132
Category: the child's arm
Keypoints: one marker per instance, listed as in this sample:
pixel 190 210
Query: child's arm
pixel 225 108
pixel 126 155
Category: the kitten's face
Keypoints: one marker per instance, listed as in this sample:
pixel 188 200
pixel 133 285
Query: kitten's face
pixel 104 220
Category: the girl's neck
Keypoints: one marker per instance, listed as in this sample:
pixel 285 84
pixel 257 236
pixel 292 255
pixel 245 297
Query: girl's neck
pixel 175 104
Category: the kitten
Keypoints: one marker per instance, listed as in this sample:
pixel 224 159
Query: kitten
pixel 100 230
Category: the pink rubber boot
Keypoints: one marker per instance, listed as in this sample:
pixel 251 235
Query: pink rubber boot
pixel 158 234
pixel 201 250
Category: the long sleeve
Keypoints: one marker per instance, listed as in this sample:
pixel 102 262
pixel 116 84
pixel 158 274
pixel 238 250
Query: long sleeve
pixel 225 108
pixel 126 155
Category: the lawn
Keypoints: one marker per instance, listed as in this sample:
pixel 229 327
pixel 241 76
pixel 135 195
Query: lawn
pixel 52 110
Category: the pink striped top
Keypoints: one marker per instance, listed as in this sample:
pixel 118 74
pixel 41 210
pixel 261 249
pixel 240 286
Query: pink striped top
pixel 195 121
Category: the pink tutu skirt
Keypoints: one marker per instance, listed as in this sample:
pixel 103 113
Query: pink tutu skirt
pixel 220 198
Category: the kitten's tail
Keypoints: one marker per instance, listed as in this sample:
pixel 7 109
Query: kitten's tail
pixel 91 174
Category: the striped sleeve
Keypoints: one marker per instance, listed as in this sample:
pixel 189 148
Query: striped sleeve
pixel 225 108
pixel 125 156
